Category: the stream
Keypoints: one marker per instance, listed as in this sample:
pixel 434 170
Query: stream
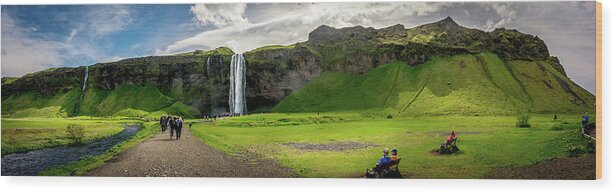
pixel 33 162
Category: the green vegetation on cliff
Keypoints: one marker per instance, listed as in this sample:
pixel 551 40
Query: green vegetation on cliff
pixel 481 84
pixel 126 100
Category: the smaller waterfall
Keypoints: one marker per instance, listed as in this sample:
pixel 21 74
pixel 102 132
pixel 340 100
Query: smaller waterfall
pixel 85 83
pixel 85 79
pixel 208 69
pixel 237 98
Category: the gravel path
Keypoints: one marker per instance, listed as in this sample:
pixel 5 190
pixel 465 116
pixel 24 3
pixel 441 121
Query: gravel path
pixel 566 168
pixel 160 156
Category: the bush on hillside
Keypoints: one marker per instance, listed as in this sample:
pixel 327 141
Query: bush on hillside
pixel 564 126
pixel 75 133
pixel 523 121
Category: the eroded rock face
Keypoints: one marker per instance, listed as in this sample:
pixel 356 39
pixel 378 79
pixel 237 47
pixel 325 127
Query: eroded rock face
pixel 274 74
pixel 326 34
pixel 47 82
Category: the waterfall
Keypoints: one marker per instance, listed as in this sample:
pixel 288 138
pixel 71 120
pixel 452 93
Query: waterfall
pixel 208 69
pixel 85 79
pixel 237 98
pixel 85 83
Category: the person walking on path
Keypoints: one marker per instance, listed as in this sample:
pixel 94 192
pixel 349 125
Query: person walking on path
pixel 172 127
pixel 168 122
pixel 178 129
pixel 163 123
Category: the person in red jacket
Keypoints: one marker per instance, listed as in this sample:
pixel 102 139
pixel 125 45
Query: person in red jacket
pixel 451 138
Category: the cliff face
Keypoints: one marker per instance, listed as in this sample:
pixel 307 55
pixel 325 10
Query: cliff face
pixel 188 78
pixel 273 72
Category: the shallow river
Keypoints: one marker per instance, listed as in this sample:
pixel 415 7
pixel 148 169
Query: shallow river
pixel 32 162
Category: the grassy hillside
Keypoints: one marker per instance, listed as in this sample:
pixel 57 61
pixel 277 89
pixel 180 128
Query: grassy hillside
pixel 35 103
pixel 125 100
pixel 481 84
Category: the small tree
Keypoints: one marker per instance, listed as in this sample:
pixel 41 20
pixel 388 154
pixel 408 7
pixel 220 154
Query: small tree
pixel 523 120
pixel 75 133
pixel 322 93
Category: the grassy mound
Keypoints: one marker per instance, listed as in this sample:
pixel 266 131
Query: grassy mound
pixel 125 100
pixel 130 113
pixel 480 84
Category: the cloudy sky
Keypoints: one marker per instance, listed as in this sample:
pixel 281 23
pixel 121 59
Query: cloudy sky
pixel 35 38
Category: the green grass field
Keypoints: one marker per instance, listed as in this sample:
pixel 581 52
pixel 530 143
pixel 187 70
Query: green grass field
pixel 25 134
pixel 486 143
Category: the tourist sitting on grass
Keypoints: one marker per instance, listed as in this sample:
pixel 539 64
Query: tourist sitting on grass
pixel 385 160
pixel 450 139
pixel 394 159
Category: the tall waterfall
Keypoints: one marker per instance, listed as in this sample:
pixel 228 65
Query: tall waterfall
pixel 237 98
pixel 208 68
pixel 85 79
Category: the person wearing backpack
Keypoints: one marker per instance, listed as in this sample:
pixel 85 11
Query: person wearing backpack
pixel 163 123
pixel 178 129
pixel 172 126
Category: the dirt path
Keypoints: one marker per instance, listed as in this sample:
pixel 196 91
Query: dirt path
pixel 566 168
pixel 160 156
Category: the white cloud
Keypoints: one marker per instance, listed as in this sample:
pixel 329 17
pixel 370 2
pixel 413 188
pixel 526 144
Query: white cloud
pixel 219 15
pixel 71 35
pixel 102 19
pixel 505 11
pixel 24 53
pixel 290 23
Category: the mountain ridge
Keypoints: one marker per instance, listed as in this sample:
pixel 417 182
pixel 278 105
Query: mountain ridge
pixel 200 78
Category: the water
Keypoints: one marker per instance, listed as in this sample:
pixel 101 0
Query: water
pixel 33 162
pixel 208 69
pixel 85 79
pixel 237 98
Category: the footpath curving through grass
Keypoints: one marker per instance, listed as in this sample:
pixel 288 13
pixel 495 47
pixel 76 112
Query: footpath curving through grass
pixel 486 143
pixel 89 162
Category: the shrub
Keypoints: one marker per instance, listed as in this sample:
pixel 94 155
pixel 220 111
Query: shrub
pixel 75 133
pixel 523 120
pixel 563 125
pixel 577 144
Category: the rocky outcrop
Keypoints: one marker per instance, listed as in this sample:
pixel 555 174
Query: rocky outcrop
pixel 273 74
pixel 47 82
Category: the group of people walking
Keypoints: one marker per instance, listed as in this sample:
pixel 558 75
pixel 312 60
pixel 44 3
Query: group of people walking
pixel 174 124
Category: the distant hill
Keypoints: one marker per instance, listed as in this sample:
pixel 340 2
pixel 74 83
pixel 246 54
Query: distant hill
pixel 480 84
pixel 456 69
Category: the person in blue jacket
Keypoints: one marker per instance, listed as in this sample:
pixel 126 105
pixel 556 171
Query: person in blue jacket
pixel 385 158
pixel 585 120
